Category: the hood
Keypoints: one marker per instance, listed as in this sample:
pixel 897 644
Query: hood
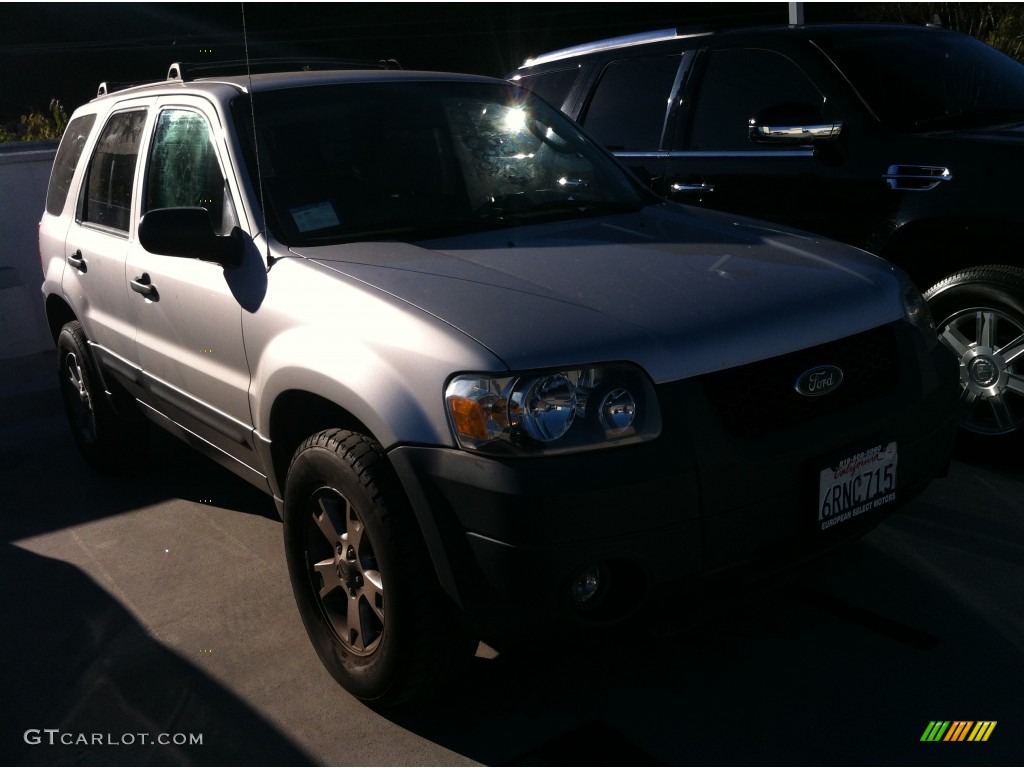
pixel 678 291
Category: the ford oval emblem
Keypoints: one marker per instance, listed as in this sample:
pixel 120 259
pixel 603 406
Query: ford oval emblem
pixel 819 381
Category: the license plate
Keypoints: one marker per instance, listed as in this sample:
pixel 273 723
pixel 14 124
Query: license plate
pixel 860 483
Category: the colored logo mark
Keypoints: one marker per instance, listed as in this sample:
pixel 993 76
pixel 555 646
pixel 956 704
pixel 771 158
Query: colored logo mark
pixel 959 730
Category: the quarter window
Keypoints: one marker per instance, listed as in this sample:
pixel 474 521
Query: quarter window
pixel 553 87
pixel 66 162
pixel 630 103
pixel 739 84
pixel 111 173
pixel 183 169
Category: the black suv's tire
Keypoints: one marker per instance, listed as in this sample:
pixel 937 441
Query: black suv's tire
pixel 107 441
pixel 361 576
pixel 979 313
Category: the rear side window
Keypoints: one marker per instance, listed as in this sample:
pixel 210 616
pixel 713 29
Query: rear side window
pixel 111 173
pixel 183 169
pixel 553 87
pixel 66 162
pixel 630 104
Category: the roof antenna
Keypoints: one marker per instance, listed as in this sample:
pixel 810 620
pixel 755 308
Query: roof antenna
pixel 255 142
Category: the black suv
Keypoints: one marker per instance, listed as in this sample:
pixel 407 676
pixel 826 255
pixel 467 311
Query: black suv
pixel 905 141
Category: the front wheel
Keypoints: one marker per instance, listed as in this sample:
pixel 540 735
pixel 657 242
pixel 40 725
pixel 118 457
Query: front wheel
pixel 361 576
pixel 980 317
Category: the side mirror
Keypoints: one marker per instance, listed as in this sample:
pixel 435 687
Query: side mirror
pixel 792 124
pixel 189 233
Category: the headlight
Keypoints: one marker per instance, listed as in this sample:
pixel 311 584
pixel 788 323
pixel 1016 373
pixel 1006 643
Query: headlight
pixel 546 412
pixel 919 315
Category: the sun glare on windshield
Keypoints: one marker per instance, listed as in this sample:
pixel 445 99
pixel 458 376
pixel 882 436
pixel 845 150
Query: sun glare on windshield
pixel 514 120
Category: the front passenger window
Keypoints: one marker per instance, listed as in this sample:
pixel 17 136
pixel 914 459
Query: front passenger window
pixel 183 171
pixel 737 85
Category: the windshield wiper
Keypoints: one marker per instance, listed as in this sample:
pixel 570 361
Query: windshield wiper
pixel 402 230
pixel 520 214
pixel 490 217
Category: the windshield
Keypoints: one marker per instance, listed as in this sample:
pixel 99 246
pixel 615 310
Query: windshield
pixel 418 159
pixel 931 80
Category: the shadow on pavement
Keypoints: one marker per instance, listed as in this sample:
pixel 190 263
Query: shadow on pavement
pixel 845 666
pixel 76 661
pixel 49 486
pixel 77 666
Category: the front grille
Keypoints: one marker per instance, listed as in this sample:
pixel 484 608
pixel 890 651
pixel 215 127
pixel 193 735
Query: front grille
pixel 761 397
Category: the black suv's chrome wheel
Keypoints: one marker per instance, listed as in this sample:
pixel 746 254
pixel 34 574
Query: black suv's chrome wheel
pixel 989 345
pixel 363 581
pixel 980 314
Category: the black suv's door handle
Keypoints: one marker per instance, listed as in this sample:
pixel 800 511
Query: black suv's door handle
pixel 700 188
pixel 77 260
pixel 143 285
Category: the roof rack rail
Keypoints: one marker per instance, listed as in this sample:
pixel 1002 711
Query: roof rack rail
pixel 618 42
pixel 108 86
pixel 185 71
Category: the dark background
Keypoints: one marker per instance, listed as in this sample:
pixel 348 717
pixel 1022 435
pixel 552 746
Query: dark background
pixel 64 50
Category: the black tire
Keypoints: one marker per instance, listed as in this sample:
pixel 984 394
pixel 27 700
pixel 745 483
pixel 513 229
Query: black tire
pixel 350 539
pixel 979 314
pixel 108 441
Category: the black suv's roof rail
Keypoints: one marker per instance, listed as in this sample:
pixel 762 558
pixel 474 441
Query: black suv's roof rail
pixel 617 42
pixel 186 71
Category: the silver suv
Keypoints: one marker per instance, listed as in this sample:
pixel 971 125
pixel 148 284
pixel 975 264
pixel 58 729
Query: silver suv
pixel 495 386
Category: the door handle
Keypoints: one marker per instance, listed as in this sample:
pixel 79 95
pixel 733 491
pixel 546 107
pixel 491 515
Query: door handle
pixel 77 260
pixel 142 284
pixel 693 189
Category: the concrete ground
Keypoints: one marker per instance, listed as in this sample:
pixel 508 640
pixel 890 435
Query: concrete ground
pixel 158 607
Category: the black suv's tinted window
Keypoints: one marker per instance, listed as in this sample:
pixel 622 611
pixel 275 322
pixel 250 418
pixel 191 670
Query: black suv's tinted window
pixel 737 85
pixel 64 164
pixel 628 108
pixel 111 174
pixel 931 80
pixel 553 87
pixel 183 169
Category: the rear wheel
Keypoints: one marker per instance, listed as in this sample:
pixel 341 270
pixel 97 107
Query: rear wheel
pixel 979 314
pixel 107 440
pixel 361 576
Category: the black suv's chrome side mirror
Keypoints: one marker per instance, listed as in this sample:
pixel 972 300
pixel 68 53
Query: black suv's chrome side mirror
pixel 792 124
pixel 189 233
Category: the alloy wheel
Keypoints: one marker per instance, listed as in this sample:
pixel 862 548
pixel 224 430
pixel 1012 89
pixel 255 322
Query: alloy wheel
pixel 344 572
pixel 78 398
pixel 990 346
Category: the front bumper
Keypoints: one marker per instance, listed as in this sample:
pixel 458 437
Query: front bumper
pixel 700 503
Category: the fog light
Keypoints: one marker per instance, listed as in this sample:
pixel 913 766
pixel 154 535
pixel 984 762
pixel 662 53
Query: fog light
pixel 586 585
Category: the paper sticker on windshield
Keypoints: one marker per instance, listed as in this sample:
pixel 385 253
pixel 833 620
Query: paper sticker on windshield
pixel 314 216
